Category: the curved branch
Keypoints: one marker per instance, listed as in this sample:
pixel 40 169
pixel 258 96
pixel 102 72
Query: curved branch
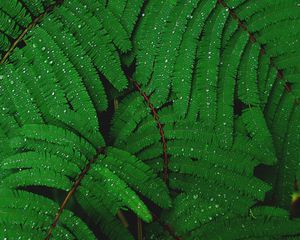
pixel 280 72
pixel 161 130
pixel 72 191
pixel 26 30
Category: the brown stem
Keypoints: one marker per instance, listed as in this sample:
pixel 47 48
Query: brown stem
pixel 166 227
pixel 25 31
pixel 122 219
pixel 280 72
pixel 116 104
pixel 72 191
pixel 140 229
pixel 101 150
pixel 161 130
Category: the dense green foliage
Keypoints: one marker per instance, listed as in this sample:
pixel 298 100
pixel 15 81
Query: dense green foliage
pixel 184 113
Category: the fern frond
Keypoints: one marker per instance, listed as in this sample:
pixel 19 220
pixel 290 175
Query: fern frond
pixel 111 23
pixel 76 93
pixel 56 135
pixel 271 223
pixel 15 223
pixel 288 153
pixel 77 56
pixel 130 14
pixel 247 78
pixel 183 114
pixel 20 99
pixel 142 179
pixel 183 81
pixel 228 70
pixel 257 128
pixel 171 38
pixel 264 69
pixel 205 97
pixel 13 18
pixel 84 24
pixel 147 48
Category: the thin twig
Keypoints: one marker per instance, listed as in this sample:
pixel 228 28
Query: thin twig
pixel 122 219
pixel 166 227
pixel 280 73
pixel 161 131
pixel 72 191
pixel 25 31
pixel 140 229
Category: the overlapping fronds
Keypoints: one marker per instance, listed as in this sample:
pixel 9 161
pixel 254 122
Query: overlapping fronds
pixel 184 114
